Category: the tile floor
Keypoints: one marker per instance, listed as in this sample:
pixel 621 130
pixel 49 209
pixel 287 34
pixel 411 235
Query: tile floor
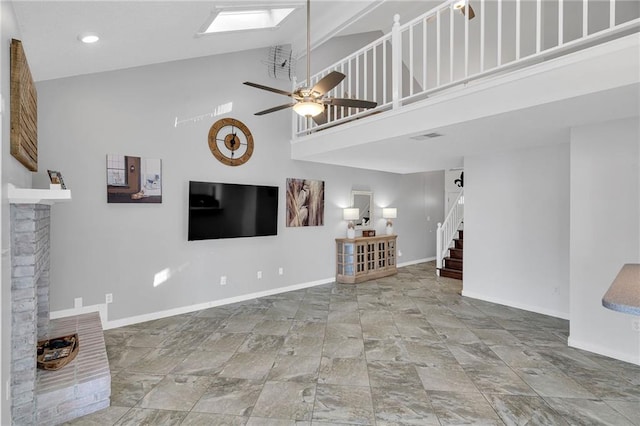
pixel 404 350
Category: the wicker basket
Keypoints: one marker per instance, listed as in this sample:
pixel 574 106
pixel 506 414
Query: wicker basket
pixel 53 354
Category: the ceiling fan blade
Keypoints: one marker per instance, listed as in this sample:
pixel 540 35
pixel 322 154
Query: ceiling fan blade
pixel 352 103
pixel 267 88
pixel 274 109
pixel 328 82
pixel 471 15
pixel 320 118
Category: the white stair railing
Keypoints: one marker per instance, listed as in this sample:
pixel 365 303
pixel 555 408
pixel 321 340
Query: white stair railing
pixel 447 229
pixel 442 49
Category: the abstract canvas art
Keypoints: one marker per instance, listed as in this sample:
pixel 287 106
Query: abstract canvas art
pixel 305 202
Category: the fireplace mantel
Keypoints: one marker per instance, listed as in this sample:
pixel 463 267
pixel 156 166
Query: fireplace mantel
pixel 37 196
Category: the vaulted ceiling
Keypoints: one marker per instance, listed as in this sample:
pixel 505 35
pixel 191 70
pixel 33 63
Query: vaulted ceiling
pixel 135 33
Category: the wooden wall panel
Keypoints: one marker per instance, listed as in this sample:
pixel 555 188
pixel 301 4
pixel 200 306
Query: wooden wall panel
pixel 24 110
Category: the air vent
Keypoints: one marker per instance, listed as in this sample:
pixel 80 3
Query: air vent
pixel 426 136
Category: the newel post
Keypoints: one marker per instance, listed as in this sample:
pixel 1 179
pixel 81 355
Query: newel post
pixel 439 247
pixel 396 61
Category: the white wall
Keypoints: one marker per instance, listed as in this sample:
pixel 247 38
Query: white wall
pixel 517 229
pixel 605 228
pixel 100 248
pixel 15 173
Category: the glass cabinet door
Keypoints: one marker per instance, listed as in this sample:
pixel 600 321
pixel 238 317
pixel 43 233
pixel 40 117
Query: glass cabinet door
pixel 345 259
pixel 361 257
pixel 391 253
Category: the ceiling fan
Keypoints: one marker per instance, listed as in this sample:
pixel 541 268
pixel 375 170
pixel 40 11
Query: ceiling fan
pixel 311 101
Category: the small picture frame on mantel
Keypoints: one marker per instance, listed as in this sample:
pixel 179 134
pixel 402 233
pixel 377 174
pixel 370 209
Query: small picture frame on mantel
pixel 368 232
pixel 56 180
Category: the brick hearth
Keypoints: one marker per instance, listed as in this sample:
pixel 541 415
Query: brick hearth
pixel 81 387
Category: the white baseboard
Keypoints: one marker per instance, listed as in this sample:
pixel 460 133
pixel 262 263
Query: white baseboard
pixel 606 351
pixel 510 303
pixel 228 301
pixel 106 324
pixel 100 308
pixel 415 262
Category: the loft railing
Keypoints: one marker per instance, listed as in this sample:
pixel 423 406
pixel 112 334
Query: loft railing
pixel 447 229
pixel 369 77
pixel 442 49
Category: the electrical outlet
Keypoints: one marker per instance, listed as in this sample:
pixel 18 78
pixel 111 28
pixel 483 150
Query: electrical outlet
pixel 77 302
pixel 108 298
pixel 259 275
pixel 281 271
pixel 223 280
pixel 399 253
pixel 635 325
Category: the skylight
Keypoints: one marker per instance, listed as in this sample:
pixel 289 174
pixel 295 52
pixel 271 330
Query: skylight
pixel 238 20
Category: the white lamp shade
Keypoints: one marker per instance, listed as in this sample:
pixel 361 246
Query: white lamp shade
pixel 459 4
pixel 390 213
pixel 308 108
pixel 351 214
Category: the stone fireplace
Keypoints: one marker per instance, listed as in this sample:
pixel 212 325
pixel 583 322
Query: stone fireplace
pixel 29 302
pixel 83 386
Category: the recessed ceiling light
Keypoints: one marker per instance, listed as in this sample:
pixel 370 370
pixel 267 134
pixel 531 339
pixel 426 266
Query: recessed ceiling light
pixel 245 19
pixel 88 38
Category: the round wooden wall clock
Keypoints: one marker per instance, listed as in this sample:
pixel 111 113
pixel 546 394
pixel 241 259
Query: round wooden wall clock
pixel 230 141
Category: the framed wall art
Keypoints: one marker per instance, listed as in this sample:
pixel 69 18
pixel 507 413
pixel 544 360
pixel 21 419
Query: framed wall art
pixel 133 179
pixel 56 178
pixel 24 109
pixel 305 202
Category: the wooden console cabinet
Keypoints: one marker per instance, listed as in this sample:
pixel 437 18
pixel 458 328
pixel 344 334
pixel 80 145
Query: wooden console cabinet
pixel 365 258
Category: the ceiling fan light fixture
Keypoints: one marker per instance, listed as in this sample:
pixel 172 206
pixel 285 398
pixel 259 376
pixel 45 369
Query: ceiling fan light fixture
pixel 311 101
pixel 308 108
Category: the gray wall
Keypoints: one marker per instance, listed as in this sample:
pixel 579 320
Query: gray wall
pixel 334 50
pixel 12 172
pixel 100 248
pixel 435 202
pixel 517 229
pixel 605 233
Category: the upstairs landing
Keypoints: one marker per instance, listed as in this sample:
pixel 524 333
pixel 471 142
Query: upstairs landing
pixel 536 105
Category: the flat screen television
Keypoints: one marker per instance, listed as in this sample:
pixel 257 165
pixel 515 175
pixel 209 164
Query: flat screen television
pixel 229 210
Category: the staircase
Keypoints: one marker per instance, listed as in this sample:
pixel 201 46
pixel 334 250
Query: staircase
pixel 453 263
pixel 450 264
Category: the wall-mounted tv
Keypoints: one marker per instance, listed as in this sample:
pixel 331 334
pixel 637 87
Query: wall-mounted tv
pixel 229 210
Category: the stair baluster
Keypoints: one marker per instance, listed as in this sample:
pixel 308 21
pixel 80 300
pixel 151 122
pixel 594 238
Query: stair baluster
pixel 445 236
